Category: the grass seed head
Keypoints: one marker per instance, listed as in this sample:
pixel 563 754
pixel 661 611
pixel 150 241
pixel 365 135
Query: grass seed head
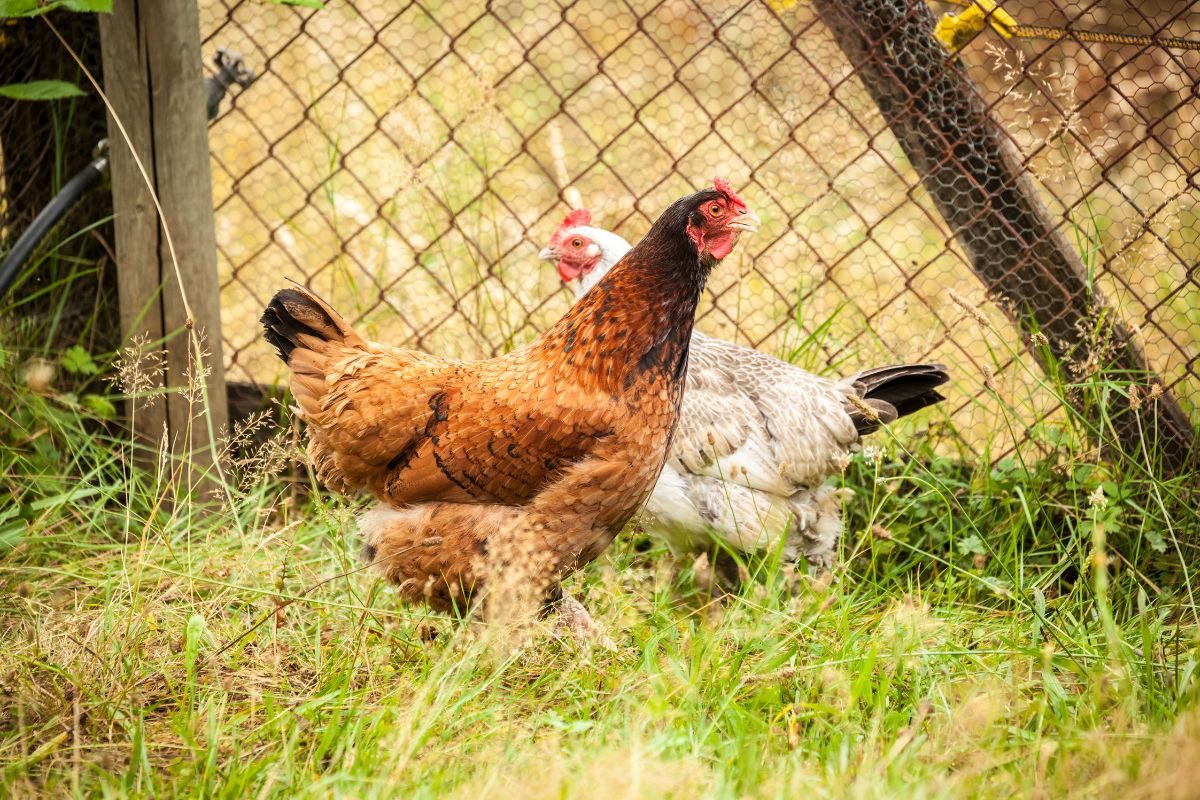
pixel 868 411
pixel 968 308
pixel 38 375
pixel 139 368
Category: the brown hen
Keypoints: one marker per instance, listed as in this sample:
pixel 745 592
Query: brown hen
pixel 527 463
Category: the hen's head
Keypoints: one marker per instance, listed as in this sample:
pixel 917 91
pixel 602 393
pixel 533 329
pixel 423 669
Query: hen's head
pixel 715 219
pixel 583 254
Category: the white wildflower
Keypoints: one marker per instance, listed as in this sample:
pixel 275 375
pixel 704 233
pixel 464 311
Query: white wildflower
pixel 873 454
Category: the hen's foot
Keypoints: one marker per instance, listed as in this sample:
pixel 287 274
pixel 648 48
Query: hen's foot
pixel 575 621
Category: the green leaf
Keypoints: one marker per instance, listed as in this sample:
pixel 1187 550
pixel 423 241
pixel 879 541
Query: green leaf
pixel 1001 586
pixel 79 361
pixel 40 90
pixel 306 3
pixel 558 722
pixel 100 6
pixel 971 545
pixel 1156 540
pixel 31 8
pixel 12 528
pixel 195 631
pixel 99 405
pixel 19 8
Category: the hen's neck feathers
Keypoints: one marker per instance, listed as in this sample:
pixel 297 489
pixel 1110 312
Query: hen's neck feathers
pixel 638 318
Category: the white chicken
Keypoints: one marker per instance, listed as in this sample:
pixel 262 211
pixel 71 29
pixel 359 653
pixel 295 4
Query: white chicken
pixel 758 438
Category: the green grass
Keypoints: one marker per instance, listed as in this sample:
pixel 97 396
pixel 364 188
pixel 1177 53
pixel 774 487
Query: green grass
pixel 970 645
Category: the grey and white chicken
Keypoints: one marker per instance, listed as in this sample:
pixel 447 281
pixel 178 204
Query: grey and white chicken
pixel 758 438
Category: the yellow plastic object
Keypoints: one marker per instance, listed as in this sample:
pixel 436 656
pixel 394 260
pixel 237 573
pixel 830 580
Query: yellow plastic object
pixel 955 30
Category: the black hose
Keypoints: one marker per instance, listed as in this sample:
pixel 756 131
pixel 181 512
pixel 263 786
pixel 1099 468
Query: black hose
pixel 49 216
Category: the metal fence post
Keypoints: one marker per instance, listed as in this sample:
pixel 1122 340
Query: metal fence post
pixel 971 171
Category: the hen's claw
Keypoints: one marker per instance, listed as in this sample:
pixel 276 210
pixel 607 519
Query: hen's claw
pixel 575 620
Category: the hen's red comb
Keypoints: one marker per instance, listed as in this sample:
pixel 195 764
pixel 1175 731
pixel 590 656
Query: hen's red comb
pixel 580 216
pixel 724 188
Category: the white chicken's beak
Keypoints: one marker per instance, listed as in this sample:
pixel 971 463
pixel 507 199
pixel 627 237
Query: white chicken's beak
pixel 548 254
pixel 748 222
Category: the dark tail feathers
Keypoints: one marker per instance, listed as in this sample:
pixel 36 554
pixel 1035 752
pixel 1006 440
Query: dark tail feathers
pixel 293 313
pixel 895 391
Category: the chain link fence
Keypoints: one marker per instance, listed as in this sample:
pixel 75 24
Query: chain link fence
pixel 408 161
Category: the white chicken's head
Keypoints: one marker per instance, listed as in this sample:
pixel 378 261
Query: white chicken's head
pixel 583 254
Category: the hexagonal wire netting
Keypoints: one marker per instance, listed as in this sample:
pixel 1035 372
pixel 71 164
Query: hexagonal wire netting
pixel 408 161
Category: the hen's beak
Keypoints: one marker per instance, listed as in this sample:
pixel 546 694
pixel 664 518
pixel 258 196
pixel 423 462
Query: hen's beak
pixel 548 254
pixel 748 222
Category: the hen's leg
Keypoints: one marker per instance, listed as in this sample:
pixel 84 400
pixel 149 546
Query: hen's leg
pixel 574 619
pixel 719 575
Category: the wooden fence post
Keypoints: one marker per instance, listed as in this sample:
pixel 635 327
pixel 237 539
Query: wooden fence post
pixel 989 202
pixel 167 287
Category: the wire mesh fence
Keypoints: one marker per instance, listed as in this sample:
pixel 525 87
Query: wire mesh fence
pixel 409 160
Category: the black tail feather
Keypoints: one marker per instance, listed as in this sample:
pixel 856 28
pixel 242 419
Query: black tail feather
pixel 291 313
pixel 896 391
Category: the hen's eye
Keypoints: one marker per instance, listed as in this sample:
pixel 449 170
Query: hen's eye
pixel 577 243
pixel 714 209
